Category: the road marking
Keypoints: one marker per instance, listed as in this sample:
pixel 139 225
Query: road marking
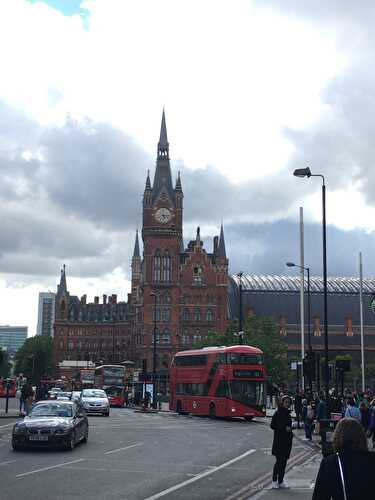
pixel 6 463
pixel 50 467
pixel 7 425
pixel 199 476
pixel 121 449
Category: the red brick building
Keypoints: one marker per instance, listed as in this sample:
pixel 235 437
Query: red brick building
pixel 178 293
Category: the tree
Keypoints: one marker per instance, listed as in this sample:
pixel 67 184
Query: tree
pixel 35 358
pixel 4 364
pixel 261 332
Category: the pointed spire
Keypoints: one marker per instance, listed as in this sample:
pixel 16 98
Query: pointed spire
pixel 178 183
pixel 136 252
pixel 62 286
pixel 221 250
pixel 148 182
pixel 198 236
pixel 163 145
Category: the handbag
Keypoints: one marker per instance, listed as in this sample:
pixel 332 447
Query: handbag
pixel 342 477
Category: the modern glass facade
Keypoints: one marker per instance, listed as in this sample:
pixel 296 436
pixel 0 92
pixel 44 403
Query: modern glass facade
pixel 46 314
pixel 12 338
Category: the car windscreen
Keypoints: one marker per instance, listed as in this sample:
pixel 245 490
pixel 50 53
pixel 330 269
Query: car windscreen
pixel 244 391
pixel 114 391
pixel 51 410
pixel 94 394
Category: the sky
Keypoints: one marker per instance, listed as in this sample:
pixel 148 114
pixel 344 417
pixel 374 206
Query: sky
pixel 251 90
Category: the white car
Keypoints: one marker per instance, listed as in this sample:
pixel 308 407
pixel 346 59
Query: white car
pixel 95 401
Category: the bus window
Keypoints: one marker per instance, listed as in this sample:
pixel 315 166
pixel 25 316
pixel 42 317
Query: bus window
pixel 244 358
pixel 197 360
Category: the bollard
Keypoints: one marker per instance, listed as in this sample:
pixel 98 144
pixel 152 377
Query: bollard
pixel 7 397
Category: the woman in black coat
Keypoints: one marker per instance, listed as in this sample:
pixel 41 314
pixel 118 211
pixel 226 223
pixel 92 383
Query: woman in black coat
pixel 282 441
pixel 358 465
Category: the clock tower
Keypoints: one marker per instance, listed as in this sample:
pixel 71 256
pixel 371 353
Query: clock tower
pixel 162 244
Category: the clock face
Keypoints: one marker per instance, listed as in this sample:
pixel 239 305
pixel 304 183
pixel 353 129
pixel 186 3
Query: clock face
pixel 163 215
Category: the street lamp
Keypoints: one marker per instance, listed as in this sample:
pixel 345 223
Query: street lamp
pixel 307 269
pixel 306 172
pixel 154 356
pixel 240 332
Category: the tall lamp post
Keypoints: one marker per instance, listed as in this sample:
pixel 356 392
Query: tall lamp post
pixel 307 269
pixel 154 404
pixel 306 172
pixel 240 331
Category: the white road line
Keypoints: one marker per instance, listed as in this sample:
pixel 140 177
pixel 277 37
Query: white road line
pixel 199 476
pixel 50 467
pixel 7 425
pixel 6 463
pixel 121 449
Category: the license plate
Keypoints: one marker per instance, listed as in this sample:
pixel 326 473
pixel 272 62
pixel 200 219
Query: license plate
pixel 38 438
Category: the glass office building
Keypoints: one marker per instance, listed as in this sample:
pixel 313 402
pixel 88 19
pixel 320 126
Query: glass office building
pixel 12 338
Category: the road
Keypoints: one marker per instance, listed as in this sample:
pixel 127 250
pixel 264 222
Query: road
pixel 136 456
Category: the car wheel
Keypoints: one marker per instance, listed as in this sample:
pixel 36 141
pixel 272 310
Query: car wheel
pixel 248 419
pixel 179 408
pixel 106 414
pixel 71 443
pixel 85 436
pixel 16 447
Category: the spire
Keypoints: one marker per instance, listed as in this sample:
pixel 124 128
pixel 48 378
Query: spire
pixel 221 250
pixel 148 182
pixel 198 236
pixel 163 145
pixel 163 176
pixel 136 246
pixel 62 286
pixel 178 183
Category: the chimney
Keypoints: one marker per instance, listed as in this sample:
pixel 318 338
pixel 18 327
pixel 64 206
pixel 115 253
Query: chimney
pixel 104 299
pixel 114 298
pixel 216 244
pixel 83 299
pixel 129 297
pixel 96 300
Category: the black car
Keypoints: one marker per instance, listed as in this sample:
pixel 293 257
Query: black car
pixel 52 424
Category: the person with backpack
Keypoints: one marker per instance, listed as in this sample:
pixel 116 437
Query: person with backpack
pixel 352 411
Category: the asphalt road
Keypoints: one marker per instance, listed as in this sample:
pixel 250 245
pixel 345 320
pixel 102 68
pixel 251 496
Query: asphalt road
pixel 136 456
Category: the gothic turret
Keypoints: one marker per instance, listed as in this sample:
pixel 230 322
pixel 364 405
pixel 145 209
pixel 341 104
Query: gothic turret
pixel 221 249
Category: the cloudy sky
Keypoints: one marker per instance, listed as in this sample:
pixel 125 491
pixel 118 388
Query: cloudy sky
pixel 252 90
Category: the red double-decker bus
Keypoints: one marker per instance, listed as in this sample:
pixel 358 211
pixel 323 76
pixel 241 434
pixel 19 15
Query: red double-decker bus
pixel 112 379
pixel 219 382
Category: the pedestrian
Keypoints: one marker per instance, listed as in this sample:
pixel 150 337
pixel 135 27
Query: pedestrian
pixel 371 427
pixel 298 407
pixel 282 441
pixel 352 411
pixel 322 413
pixel 27 395
pixel 308 418
pixel 365 416
pixel 351 467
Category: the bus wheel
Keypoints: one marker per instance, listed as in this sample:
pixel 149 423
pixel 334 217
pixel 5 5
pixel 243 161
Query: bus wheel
pixel 212 411
pixel 179 408
pixel 248 419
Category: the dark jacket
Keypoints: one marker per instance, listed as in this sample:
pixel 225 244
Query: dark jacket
pixel 27 391
pixel 358 468
pixel 282 439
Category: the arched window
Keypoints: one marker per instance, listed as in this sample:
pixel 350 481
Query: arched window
pixel 166 337
pixel 197 314
pixel 61 345
pixel 62 307
pixel 70 345
pixel 185 314
pixel 166 314
pixel 158 314
pixel 209 315
pixel 157 267
pixel 166 259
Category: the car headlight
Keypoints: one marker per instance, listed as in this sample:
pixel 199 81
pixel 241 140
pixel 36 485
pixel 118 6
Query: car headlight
pixel 19 429
pixel 62 430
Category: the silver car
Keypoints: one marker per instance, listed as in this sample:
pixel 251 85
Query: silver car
pixel 95 401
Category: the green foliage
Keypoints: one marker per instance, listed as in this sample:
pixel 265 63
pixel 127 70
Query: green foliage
pixel 35 358
pixel 4 364
pixel 261 332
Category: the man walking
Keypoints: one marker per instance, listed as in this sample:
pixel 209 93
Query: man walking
pixel 282 441
pixel 298 407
